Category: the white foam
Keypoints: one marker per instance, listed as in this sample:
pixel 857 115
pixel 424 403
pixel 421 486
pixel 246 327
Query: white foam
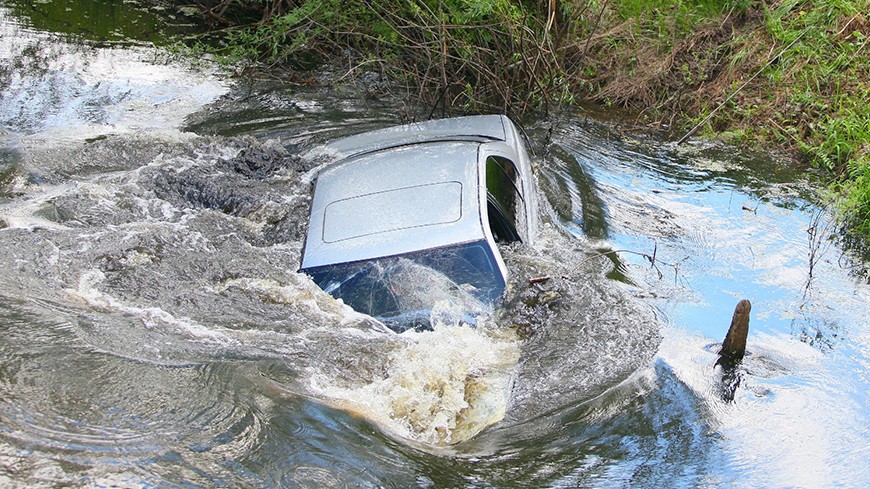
pixel 442 387
pixel 25 213
pixel 89 292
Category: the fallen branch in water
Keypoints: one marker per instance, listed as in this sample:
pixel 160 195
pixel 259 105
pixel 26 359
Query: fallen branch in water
pixel 734 346
pixel 651 258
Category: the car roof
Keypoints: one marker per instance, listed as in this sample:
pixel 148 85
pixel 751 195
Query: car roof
pixel 389 200
pixel 479 128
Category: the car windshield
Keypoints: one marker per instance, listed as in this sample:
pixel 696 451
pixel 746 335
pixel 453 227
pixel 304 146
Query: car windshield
pixel 414 282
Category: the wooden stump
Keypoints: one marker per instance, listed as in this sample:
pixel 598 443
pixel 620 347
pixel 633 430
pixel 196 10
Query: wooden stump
pixel 734 346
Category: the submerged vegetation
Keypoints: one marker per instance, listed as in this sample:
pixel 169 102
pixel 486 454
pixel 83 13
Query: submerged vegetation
pixel 793 74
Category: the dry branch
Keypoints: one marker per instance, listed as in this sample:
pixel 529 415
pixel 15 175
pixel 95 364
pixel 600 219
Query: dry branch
pixel 652 259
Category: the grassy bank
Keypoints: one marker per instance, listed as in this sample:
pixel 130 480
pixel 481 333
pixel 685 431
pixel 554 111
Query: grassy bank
pixel 789 74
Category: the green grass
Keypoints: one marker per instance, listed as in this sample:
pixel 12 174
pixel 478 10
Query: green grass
pixel 825 78
pixel 814 99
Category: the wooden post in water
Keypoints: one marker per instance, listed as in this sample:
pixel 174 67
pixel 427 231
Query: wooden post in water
pixel 733 349
pixel 734 346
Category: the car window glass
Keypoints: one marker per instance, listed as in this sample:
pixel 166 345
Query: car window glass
pixel 390 286
pixel 505 201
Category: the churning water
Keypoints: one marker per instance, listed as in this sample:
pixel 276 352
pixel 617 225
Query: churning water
pixel 154 331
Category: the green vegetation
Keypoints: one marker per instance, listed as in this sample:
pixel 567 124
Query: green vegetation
pixel 467 54
pixel 792 74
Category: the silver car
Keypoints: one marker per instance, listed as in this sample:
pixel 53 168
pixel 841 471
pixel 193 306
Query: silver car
pixel 410 215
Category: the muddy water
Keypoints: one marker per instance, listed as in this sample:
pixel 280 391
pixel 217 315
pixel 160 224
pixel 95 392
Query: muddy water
pixel 155 332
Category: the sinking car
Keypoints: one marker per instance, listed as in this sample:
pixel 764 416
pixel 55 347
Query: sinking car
pixel 409 217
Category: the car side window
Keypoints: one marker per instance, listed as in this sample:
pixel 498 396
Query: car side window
pixel 505 204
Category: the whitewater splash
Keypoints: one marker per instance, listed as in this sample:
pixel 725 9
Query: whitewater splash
pixel 442 387
pixel 432 388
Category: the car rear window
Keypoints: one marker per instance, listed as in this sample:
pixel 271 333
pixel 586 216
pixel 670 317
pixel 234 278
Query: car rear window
pixel 390 286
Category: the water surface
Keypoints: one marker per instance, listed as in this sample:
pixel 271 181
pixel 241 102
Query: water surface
pixel 155 331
